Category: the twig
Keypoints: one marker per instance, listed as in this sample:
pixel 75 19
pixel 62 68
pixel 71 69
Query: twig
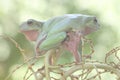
pixel 16 44
pixel 91 78
pixel 90 43
pixel 47 63
pixel 97 71
pixel 19 67
pixel 24 78
pixel 90 66
pixel 87 73
pixel 113 51
pixel 29 76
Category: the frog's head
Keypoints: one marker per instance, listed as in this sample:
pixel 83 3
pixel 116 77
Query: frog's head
pixel 31 29
pixel 89 24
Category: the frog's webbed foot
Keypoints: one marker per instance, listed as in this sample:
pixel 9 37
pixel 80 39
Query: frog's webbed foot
pixel 72 44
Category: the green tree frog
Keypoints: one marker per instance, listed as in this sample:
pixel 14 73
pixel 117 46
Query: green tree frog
pixel 65 30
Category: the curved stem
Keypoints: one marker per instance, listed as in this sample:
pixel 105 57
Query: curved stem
pixel 47 63
pixel 91 66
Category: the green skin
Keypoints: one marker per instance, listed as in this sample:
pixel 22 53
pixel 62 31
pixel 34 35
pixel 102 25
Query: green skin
pixel 51 33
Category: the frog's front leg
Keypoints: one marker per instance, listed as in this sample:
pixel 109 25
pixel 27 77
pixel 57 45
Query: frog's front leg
pixel 39 40
pixel 73 45
pixel 80 49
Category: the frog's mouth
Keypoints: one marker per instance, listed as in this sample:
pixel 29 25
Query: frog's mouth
pixel 31 34
pixel 88 30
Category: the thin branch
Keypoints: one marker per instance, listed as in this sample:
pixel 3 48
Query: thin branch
pixel 97 71
pixel 47 63
pixel 16 44
pixel 24 78
pixel 90 66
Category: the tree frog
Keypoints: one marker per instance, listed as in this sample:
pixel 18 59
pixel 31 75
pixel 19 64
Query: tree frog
pixel 55 31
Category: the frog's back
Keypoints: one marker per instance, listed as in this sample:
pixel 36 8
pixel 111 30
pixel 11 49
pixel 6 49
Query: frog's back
pixel 67 22
pixel 49 24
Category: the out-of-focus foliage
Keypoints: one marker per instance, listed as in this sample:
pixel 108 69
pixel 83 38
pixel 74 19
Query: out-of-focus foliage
pixel 14 12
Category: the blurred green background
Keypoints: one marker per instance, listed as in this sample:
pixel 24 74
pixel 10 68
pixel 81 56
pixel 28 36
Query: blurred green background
pixel 14 12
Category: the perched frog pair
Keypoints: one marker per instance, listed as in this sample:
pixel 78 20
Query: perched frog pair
pixel 65 31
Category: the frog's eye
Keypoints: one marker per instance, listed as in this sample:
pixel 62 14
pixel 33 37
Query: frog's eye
pixel 95 20
pixel 30 22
